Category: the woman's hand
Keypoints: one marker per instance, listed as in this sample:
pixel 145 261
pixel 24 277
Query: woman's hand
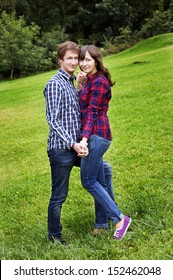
pixel 80 78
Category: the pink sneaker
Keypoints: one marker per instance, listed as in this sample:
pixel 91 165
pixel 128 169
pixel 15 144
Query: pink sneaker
pixel 121 232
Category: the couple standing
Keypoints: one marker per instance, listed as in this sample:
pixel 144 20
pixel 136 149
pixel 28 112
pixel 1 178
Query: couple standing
pixel 79 135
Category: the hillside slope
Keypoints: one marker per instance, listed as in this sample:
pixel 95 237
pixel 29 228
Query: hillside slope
pixel 141 155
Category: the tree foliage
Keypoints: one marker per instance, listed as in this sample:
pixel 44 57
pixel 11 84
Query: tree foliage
pixel 18 48
pixel 160 23
pixel 89 20
pixel 100 22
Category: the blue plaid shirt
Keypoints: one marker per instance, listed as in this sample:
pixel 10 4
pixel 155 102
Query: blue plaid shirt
pixel 62 111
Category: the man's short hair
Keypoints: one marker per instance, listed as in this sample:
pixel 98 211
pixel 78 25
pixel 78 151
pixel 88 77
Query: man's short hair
pixel 66 46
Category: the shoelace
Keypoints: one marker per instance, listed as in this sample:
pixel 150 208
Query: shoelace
pixel 117 233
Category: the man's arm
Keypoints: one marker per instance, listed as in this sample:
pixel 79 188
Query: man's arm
pixel 53 103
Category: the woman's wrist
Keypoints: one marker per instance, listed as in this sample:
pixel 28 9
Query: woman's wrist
pixel 84 141
pixel 79 86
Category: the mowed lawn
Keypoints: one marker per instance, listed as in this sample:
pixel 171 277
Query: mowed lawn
pixel 141 154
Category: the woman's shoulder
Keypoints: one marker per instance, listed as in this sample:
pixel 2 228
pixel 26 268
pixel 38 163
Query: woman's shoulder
pixel 97 76
pixel 100 78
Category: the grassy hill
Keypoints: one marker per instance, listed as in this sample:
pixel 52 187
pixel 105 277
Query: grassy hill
pixel 141 116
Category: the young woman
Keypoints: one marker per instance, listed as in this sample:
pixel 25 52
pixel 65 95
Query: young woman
pixel 94 96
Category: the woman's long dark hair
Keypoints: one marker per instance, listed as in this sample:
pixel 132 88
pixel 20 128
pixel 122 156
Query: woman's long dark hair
pixel 95 54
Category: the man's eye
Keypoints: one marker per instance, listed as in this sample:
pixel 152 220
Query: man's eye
pixel 71 58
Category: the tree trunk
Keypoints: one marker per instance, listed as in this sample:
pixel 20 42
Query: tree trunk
pixel 12 71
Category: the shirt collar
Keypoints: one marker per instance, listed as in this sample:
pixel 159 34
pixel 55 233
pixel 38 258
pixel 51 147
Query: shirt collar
pixel 66 75
pixel 93 76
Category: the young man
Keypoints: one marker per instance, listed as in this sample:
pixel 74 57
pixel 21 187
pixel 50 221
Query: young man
pixel 64 146
pixel 63 117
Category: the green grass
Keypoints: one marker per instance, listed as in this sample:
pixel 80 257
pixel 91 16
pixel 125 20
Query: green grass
pixel 141 116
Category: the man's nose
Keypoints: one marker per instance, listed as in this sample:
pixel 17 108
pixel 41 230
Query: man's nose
pixel 74 60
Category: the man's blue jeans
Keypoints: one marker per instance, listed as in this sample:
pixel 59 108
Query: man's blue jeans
pixel 93 177
pixel 62 162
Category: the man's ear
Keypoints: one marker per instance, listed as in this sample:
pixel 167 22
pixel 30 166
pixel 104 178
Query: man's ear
pixel 59 61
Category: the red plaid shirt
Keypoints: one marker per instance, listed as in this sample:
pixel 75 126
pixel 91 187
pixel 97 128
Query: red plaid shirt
pixel 94 98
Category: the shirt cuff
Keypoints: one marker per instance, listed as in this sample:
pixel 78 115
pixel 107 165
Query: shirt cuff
pixel 70 143
pixel 85 134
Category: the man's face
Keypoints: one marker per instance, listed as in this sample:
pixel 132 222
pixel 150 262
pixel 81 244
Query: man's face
pixel 70 62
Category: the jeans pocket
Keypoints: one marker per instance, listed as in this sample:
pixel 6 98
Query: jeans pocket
pixel 105 145
pixel 98 145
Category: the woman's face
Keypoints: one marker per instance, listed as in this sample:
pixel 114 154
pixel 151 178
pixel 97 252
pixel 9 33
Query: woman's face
pixel 88 65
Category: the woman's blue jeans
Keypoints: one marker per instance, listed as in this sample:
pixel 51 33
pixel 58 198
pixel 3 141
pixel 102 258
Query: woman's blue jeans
pixel 93 177
pixel 62 162
pixel 101 217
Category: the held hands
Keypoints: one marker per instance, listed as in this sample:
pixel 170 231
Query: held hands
pixel 81 149
pixel 84 149
pixel 84 143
